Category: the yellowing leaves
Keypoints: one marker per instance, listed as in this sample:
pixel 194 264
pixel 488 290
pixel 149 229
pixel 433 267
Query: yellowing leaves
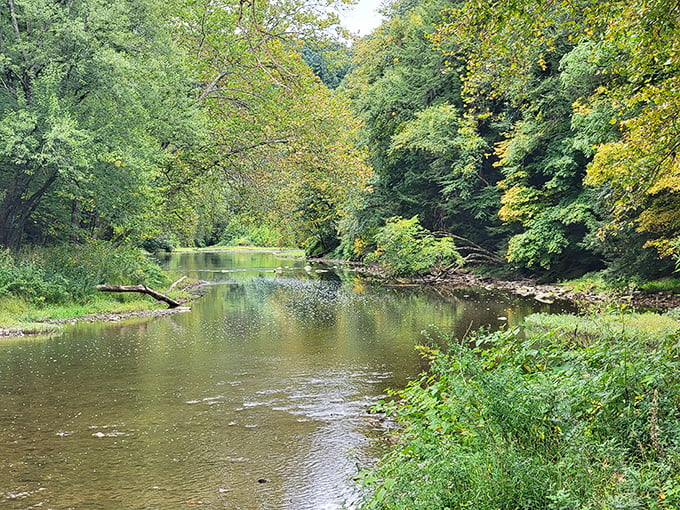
pixel 519 204
pixel 646 161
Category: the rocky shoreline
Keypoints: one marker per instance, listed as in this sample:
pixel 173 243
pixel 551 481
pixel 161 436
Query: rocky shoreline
pixel 661 301
pixel 526 287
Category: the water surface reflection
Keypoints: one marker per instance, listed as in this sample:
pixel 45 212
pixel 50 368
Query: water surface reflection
pixel 258 398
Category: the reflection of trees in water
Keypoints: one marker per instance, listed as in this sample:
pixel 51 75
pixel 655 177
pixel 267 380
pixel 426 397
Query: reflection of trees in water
pixel 310 301
pixel 329 300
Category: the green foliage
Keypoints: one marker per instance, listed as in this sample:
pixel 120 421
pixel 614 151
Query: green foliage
pixel 405 248
pixel 89 103
pixel 152 122
pixel 330 62
pixel 165 242
pixel 555 235
pixel 70 273
pixel 428 155
pixel 641 166
pixel 504 120
pixel 538 423
pixel 281 144
pixel 627 256
pixel 589 89
pixel 240 231
pixel 546 131
pixel 29 280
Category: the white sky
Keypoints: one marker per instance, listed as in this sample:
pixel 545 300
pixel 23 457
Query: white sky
pixel 363 18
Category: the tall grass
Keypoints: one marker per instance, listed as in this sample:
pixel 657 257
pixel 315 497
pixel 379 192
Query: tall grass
pixel 69 274
pixel 538 422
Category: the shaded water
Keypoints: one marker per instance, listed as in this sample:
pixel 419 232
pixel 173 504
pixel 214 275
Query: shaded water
pixel 258 398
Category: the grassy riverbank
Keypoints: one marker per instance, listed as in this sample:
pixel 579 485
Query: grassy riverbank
pixel 574 413
pixel 20 317
pixel 41 287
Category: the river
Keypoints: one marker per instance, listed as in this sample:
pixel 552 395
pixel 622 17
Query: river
pixel 258 398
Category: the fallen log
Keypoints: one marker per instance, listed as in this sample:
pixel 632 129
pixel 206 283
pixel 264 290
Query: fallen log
pixel 140 288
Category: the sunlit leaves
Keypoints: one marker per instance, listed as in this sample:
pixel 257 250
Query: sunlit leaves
pixel 617 64
pixel 432 130
pixel 405 248
pixel 428 155
pixel 644 165
pixel 281 145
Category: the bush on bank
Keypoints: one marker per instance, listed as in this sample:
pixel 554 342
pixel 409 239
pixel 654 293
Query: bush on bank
pixel 405 248
pixel 70 273
pixel 542 422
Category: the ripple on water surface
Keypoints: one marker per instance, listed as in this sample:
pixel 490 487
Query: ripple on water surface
pixel 257 399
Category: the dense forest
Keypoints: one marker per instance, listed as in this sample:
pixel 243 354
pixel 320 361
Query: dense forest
pixel 542 136
pixel 546 132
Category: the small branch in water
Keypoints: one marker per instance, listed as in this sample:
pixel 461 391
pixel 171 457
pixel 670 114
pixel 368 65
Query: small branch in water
pixel 142 289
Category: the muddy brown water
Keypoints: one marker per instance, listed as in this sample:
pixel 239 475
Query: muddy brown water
pixel 259 398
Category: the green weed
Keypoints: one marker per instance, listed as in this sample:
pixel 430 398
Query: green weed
pixel 70 273
pixel 609 324
pixel 663 285
pixel 60 282
pixel 537 422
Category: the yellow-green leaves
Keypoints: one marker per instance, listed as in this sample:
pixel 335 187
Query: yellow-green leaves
pixel 405 248
pixel 433 130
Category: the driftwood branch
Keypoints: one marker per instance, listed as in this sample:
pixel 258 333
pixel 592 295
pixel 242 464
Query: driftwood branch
pixel 471 251
pixel 174 285
pixel 142 289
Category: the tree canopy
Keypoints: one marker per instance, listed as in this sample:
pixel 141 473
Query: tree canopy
pixel 92 95
pixel 544 133
pixel 129 120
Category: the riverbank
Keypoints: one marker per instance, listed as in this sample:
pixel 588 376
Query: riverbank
pixel 25 319
pixel 580 293
pixel 291 252
pixel 51 319
pixel 50 326
pixel 577 412
pixel 24 308
pixel 571 292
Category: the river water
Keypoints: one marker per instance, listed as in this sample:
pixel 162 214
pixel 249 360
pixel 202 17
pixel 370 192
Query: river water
pixel 258 398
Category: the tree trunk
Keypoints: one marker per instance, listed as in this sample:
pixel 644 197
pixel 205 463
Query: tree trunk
pixel 142 289
pixel 16 209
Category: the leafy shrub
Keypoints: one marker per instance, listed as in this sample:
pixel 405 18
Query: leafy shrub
pixel 97 262
pixel 70 273
pixel 30 280
pixel 662 285
pixel 537 423
pixel 405 248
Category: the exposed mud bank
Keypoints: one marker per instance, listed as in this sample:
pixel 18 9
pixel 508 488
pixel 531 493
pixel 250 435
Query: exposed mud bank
pixel 51 326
